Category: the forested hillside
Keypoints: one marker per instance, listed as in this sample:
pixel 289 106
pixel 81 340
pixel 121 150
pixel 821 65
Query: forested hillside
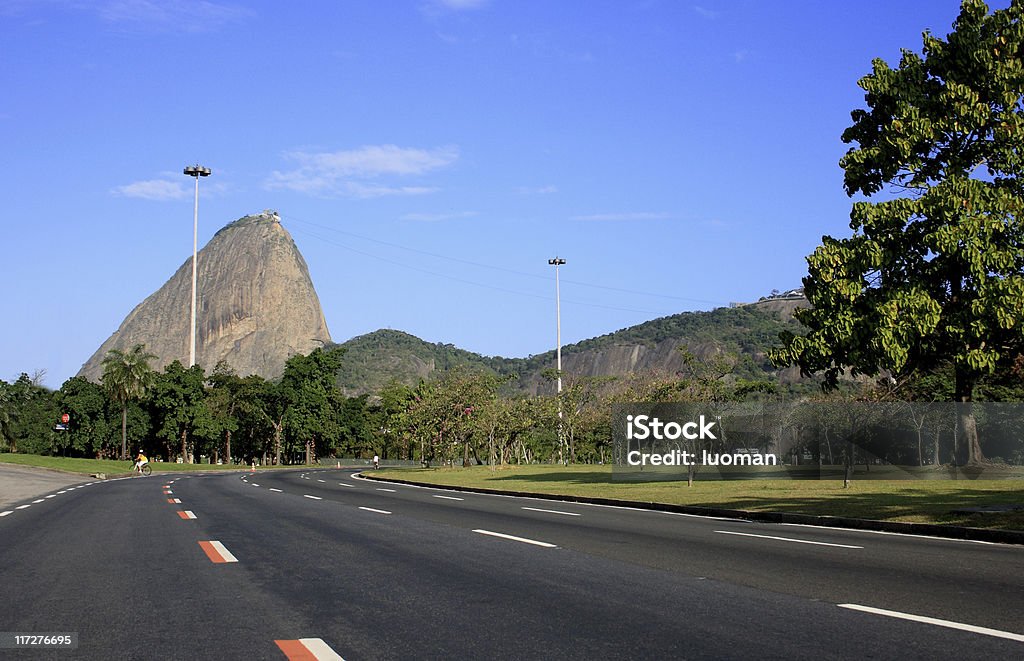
pixel 371 360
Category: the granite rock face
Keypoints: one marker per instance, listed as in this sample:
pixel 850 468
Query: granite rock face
pixel 256 305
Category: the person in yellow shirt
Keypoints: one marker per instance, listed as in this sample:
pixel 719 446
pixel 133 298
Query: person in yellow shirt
pixel 140 461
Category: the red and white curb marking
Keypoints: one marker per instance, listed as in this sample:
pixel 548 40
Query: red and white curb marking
pixel 307 649
pixel 174 501
pixel 217 552
pixel 186 514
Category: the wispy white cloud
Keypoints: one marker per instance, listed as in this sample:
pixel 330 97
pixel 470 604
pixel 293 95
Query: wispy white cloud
pixel 741 56
pixel 437 217
pixel 461 5
pixel 159 190
pixel 704 12
pixel 627 216
pixel 169 15
pixel 537 190
pixel 351 172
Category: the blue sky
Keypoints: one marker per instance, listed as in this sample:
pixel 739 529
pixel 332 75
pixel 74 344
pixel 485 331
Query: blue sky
pixel 429 156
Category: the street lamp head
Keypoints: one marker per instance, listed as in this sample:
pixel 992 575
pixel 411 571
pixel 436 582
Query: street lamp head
pixel 197 171
pixel 556 261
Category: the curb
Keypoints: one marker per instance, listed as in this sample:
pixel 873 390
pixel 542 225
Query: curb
pixel 923 529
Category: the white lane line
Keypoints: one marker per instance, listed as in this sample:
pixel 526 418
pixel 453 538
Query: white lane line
pixel 516 539
pixel 320 480
pixel 448 497
pixel 277 490
pixel 52 495
pixel 38 500
pixel 388 490
pixel 537 509
pixel 931 620
pixel 788 539
pixel 7 512
pixel 65 491
pixel 308 648
pixel 894 534
pixel 306 495
pixel 254 484
pixel 21 507
pixel 370 509
pixel 342 484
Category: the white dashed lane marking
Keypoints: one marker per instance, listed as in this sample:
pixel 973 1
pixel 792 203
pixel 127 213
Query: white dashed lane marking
pixel 448 497
pixel 537 509
pixel 516 539
pixel 788 539
pixel 370 509
pixel 937 622
pixel 306 495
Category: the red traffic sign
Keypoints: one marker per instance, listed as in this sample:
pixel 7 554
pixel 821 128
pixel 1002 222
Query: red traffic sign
pixel 65 418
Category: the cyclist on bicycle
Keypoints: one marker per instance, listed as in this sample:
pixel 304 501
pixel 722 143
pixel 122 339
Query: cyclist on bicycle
pixel 140 461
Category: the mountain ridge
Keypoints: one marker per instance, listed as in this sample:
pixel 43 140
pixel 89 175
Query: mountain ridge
pixel 373 359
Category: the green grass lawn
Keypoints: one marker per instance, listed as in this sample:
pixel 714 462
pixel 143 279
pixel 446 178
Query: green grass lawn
pixel 92 466
pixel 923 501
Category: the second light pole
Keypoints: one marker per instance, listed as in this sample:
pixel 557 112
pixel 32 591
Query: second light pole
pixel 194 171
pixel 556 262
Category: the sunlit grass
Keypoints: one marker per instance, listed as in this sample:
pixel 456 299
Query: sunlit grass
pixel 106 466
pixel 925 501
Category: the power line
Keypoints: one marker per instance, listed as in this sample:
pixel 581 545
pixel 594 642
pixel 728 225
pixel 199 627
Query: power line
pixel 463 280
pixel 461 260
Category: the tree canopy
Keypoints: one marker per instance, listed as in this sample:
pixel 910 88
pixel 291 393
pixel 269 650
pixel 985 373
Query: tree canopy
pixel 934 272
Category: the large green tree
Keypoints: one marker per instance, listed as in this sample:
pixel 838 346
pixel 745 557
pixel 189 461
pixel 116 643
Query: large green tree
pixel 126 376
pixel 934 271
pixel 306 389
pixel 180 412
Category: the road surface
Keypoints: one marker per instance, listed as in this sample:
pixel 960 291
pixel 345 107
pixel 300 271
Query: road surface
pixel 273 564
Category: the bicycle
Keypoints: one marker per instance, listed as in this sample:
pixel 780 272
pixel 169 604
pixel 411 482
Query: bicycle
pixel 145 471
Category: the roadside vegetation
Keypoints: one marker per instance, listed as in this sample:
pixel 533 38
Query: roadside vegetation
pixel 932 501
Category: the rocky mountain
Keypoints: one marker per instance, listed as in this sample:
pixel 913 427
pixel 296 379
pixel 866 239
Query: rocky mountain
pixel 256 305
pixel 748 331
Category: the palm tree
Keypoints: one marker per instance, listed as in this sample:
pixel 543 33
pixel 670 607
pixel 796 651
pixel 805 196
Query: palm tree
pixel 126 376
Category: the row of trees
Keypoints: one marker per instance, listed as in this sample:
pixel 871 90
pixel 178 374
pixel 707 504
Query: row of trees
pixel 461 417
pixel 183 413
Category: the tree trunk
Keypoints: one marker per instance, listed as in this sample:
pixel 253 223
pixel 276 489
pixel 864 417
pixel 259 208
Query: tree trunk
pixel 848 470
pixel 124 431
pixel 277 441
pixel 965 414
pixel 184 447
pixel 227 449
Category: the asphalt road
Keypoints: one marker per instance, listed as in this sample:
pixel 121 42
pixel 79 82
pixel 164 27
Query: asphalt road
pixel 377 571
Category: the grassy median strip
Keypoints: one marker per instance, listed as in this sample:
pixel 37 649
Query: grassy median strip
pixel 106 466
pixel 921 501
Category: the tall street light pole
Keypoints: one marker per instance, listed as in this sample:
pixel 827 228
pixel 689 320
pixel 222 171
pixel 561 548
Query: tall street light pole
pixel 556 262
pixel 194 171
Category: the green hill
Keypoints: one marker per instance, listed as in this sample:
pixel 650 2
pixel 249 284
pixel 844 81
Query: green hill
pixel 373 359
